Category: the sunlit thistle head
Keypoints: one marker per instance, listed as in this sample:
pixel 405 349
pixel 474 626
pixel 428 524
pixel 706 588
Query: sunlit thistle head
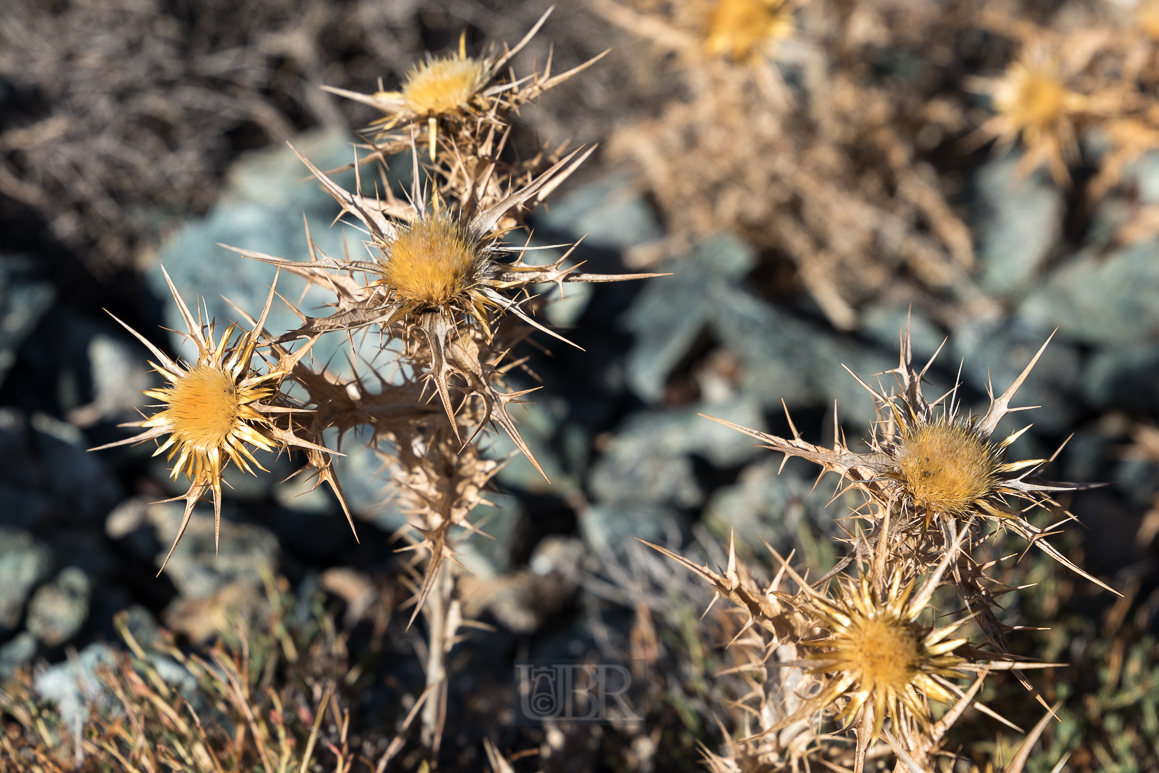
pixel 1034 101
pixel 432 262
pixel 878 656
pixel 444 85
pixel 218 409
pixel 1147 17
pixel 210 415
pixel 946 466
pixel 738 28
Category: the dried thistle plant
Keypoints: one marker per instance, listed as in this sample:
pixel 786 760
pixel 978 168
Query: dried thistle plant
pixel 465 96
pixel 447 294
pixel 821 173
pixel 851 645
pixel 434 273
pixel 928 468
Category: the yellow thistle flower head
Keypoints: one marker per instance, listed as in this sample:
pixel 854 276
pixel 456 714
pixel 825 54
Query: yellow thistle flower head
pixel 445 84
pixel 216 410
pixel 1147 17
pixel 1034 100
pixel 926 460
pixel 738 28
pixel 945 465
pixel 878 656
pixel 433 262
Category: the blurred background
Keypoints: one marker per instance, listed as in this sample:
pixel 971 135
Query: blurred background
pixel 809 184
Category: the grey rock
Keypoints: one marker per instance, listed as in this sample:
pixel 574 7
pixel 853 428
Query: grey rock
pixel 19 651
pixel 196 568
pixel 25 297
pixel 59 609
pixel 81 483
pixel 1145 173
pixel 365 481
pixel 609 528
pixel 1019 224
pixel 773 505
pixel 140 624
pixel 884 324
pixel 997 351
pixel 24 562
pixel 610 212
pixel 1100 298
pixel 128 523
pixel 118 377
pixel 672 312
pixel 74 686
pixel 787 359
pixel 1124 378
pixel 649 457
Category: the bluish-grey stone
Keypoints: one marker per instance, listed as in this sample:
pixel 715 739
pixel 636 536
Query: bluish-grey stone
pixel 610 527
pixel 884 324
pixel 81 483
pixel 119 376
pixel 58 610
pixel 25 296
pixel 18 651
pixel 649 458
pixel 997 351
pixel 787 359
pixel 672 312
pixel 1124 378
pixel 198 568
pixel 1019 224
pixel 24 562
pixel 73 685
pixel 1100 298
pixel 609 212
pixel 772 505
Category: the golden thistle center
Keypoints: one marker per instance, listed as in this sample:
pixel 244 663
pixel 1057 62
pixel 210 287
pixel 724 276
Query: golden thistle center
pixel 882 651
pixel 444 85
pixel 738 27
pixel 946 466
pixel 1036 102
pixel 432 262
pixel 204 407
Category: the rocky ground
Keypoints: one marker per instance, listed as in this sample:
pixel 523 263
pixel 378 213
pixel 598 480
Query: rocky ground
pixel 618 428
